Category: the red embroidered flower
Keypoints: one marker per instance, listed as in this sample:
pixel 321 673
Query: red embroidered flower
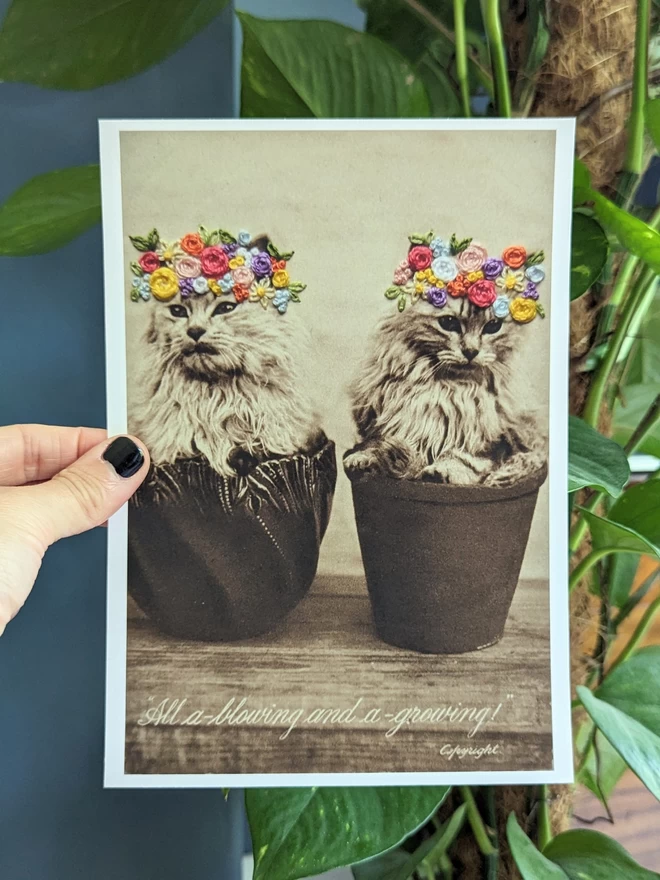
pixel 214 261
pixel 420 257
pixel 459 286
pixel 192 244
pixel 482 293
pixel 277 264
pixel 240 293
pixel 514 256
pixel 149 261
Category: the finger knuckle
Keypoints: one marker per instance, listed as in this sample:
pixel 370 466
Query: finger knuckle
pixel 87 492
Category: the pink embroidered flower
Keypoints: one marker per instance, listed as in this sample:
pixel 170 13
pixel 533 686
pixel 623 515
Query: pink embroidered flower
pixel 187 267
pixel 149 261
pixel 214 261
pixel 402 273
pixel 471 259
pixel 243 276
pixel 482 293
pixel 420 257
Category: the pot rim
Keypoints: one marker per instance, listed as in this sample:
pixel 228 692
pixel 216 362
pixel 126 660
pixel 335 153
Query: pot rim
pixel 444 493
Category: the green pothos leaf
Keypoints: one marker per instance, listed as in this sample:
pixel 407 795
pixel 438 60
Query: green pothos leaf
pixel 589 252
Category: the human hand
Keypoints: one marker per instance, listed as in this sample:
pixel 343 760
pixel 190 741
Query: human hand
pixel 56 482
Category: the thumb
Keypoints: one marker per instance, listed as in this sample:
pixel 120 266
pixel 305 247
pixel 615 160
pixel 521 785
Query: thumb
pixel 87 492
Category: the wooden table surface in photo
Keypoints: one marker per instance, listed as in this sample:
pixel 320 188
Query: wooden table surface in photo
pixel 326 655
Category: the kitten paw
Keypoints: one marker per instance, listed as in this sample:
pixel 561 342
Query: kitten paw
pixel 450 470
pixel 362 460
pixel 516 468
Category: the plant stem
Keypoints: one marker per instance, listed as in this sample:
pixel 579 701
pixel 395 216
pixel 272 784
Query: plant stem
pixel 588 563
pixel 476 822
pixel 461 56
pixel 544 832
pixel 492 861
pixel 639 633
pixel 634 159
pixel 496 47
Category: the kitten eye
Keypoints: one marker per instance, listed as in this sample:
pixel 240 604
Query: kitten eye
pixel 224 308
pixel 492 326
pixel 178 311
pixel 450 323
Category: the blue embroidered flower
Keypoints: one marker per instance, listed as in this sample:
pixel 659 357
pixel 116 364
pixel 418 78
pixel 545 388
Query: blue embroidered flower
pixel 144 289
pixel 254 251
pixel 244 238
pixel 200 284
pixel 281 300
pixel 226 283
pixel 440 248
pixel 136 282
pixel 536 274
pixel 444 268
pixel 246 254
pixel 501 307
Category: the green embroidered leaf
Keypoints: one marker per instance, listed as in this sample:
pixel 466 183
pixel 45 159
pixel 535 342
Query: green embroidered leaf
pixel 135 296
pixel 457 246
pixel 137 269
pixel 540 310
pixel 402 302
pixel 204 234
pixel 272 250
pixel 294 296
pixel 297 287
pixel 226 237
pixel 417 239
pixel 214 238
pixel 286 256
pixel 392 292
pixel 153 239
pixel 49 211
pixel 589 252
pixel 325 70
pixel 535 258
pixel 301 832
pixel 74 44
pixel 140 243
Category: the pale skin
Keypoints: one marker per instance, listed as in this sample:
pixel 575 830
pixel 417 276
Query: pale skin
pixel 54 483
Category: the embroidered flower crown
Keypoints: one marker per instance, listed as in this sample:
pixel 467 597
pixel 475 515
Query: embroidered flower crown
pixel 247 269
pixel 434 269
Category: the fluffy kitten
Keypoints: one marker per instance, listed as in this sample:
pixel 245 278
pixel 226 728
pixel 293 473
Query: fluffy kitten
pixel 222 379
pixel 435 400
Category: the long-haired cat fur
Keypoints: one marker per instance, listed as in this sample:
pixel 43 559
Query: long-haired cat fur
pixel 223 380
pixel 435 399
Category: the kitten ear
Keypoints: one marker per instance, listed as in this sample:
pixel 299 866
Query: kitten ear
pixel 260 241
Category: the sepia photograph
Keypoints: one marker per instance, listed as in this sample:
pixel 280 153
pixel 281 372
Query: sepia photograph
pixel 344 345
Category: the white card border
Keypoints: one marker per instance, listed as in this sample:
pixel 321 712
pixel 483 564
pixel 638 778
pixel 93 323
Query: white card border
pixel 115 340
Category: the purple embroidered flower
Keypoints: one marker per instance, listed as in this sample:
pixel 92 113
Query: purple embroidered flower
pixel 230 249
pixel 186 287
pixel 492 268
pixel 437 296
pixel 531 291
pixel 261 265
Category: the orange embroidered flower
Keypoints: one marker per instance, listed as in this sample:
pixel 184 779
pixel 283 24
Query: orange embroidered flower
pixel 514 256
pixel 277 265
pixel 459 286
pixel 240 293
pixel 192 244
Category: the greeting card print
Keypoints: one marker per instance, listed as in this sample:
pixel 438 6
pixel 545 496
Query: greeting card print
pixel 283 618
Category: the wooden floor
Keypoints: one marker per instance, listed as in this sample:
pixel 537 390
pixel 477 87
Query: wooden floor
pixel 327 657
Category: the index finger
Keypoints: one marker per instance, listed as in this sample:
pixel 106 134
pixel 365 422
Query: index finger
pixel 30 453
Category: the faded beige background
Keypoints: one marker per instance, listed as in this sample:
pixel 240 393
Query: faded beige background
pixel 346 202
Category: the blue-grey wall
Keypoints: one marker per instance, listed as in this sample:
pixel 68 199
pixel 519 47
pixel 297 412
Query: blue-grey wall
pixel 56 821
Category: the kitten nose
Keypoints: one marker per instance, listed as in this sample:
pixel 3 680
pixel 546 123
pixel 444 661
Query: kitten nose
pixel 196 332
pixel 470 353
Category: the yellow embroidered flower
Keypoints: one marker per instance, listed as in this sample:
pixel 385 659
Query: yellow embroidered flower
pixel 435 282
pixel 236 262
pixel 261 292
pixel 214 287
pixel 511 280
pixel 523 310
pixel 420 276
pixel 164 284
pixel 420 287
pixel 280 278
pixel 475 276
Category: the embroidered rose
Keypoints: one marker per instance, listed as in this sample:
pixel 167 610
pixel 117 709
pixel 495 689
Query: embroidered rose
pixel 536 274
pixel 437 296
pixel 149 261
pixel 261 292
pixel 261 265
pixel 164 284
pixel 186 287
pixel 511 281
pixel 501 307
pixel 440 248
pixel 243 277
pixel 444 268
pixel 459 286
pixel 241 293
pixel 531 291
pixel 492 268
pixel 200 285
pixel 471 259
pixel 281 300
pixel 514 256
pixel 420 257
pixel 214 261
pixel 522 310
pixel 280 278
pixel 187 267
pixel 192 244
pixel 482 293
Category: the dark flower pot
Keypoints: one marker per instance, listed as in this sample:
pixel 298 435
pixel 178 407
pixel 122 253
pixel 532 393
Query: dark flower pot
pixel 442 562
pixel 221 559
